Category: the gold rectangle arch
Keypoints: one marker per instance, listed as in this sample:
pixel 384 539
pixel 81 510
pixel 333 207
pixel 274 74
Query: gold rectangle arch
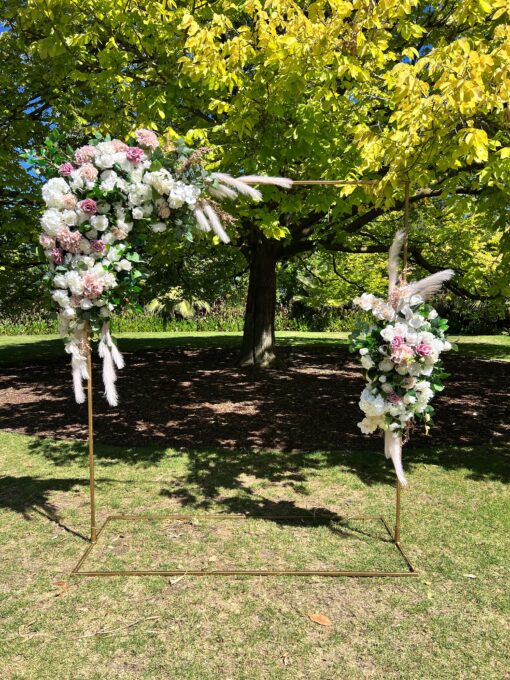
pixel 95 533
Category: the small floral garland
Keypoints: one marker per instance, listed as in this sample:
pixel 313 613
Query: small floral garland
pixel 400 355
pixel 103 200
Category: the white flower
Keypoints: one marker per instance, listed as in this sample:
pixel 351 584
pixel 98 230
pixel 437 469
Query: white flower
pixel 70 218
pixel 367 362
pixel 53 192
pixel 124 265
pixel 86 303
pixel 158 227
pixel 137 213
pixel 51 222
pixel 447 346
pixel 363 351
pixel 416 320
pixel 387 388
pixel 369 425
pixel 60 281
pixel 74 282
pixel 61 298
pixel 415 300
pixel 68 313
pixel 388 333
pixel 432 315
pixel 386 365
pixel 99 222
pixel 161 180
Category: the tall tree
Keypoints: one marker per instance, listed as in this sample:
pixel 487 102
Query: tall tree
pixel 394 90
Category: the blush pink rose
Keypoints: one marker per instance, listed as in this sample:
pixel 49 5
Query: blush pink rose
pixel 97 245
pixel 88 172
pixel 57 255
pixel 135 155
pixel 397 342
pixel 85 154
pixel 47 242
pixel 69 240
pixel 118 145
pixel 147 138
pixel 92 286
pixel 65 169
pixel 423 349
pixel 402 355
pixel 69 201
pixel 88 205
pixel 394 398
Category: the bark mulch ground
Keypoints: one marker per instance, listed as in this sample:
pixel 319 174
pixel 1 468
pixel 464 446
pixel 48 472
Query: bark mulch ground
pixel 198 398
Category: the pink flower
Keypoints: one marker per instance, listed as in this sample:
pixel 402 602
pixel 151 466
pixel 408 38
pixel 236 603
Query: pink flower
pixel 397 342
pixel 69 240
pixel 85 154
pixel 394 398
pixel 92 286
pixel 69 201
pixel 47 242
pixel 164 212
pixel 88 172
pixel 402 355
pixel 118 145
pixel 135 155
pixel 147 138
pixel 119 233
pixel 97 245
pixel 57 255
pixel 88 205
pixel 66 169
pixel 423 349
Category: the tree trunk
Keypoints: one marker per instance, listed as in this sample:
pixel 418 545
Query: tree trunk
pixel 258 347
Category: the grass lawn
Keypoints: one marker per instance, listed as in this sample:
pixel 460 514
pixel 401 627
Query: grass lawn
pixel 20 348
pixel 451 622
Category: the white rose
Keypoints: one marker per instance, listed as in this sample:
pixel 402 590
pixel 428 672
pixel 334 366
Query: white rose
pixel 137 213
pixel 388 333
pixel 432 315
pixel 68 313
pixel 74 282
pixel 99 222
pixel 60 281
pixel 385 365
pixel 51 221
pixel 363 351
pixel 61 298
pixel 70 218
pixel 53 191
pixel 86 303
pixel 124 265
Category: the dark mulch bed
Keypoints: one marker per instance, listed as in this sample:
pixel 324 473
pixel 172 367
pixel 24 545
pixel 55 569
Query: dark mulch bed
pixel 196 398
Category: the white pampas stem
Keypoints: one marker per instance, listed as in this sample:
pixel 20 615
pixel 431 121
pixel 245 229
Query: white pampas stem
pixel 221 191
pixel 393 450
pixel 215 223
pixel 201 219
pixel 431 284
pixel 111 357
pixel 283 182
pixel 393 256
pixel 77 349
pixel 239 186
pixel 79 393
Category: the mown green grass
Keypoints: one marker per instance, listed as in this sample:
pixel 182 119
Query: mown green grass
pixel 34 347
pixel 451 622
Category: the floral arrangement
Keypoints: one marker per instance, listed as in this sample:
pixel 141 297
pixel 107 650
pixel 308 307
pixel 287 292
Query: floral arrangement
pixel 400 354
pixel 103 200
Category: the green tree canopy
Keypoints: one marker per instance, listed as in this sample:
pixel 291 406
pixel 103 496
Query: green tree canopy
pixel 329 89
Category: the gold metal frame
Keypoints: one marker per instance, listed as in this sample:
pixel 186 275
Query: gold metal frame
pixel 95 533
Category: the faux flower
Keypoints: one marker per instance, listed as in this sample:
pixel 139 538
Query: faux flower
pixel 135 155
pixel 65 169
pixel 92 285
pixel 423 349
pixel 97 245
pixel 88 172
pixel 69 240
pixel 85 154
pixel 88 206
pixel 147 138
pixel 57 255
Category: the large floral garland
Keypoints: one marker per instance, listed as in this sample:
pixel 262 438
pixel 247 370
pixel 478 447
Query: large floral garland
pixel 400 354
pixel 102 201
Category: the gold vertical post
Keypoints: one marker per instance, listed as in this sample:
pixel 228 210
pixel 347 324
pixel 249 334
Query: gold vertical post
pixel 93 533
pixel 397 514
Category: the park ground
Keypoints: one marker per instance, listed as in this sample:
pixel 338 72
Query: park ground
pixel 194 435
